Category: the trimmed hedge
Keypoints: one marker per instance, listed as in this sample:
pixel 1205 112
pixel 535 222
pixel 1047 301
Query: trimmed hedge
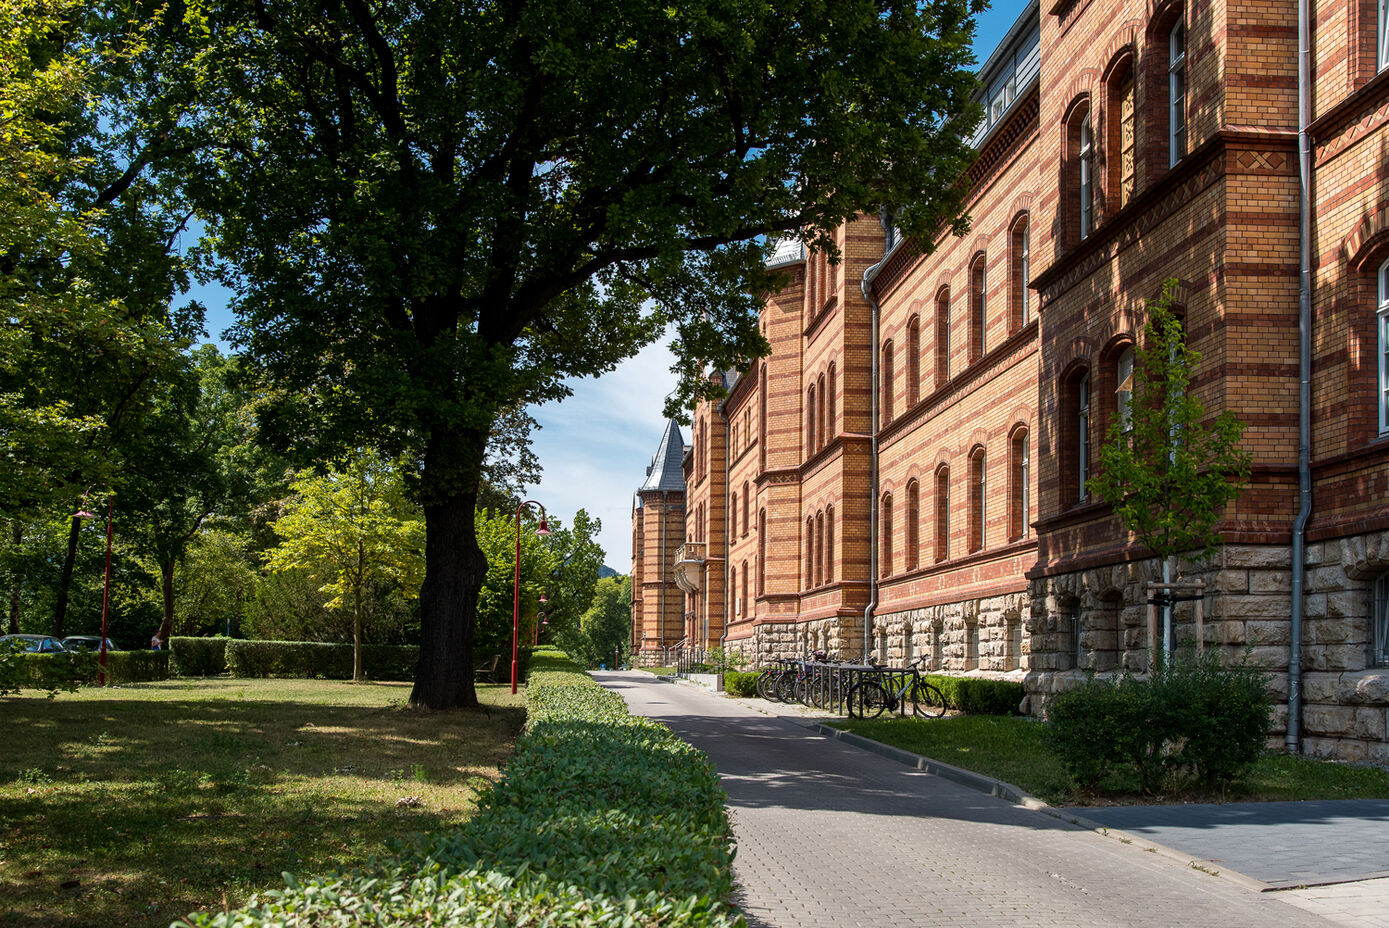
pixel 741 683
pixel 979 696
pixel 199 657
pixel 601 819
pixel 66 672
pixel 134 666
pixel 319 660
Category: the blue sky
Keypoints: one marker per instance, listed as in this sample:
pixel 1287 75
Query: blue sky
pixel 595 445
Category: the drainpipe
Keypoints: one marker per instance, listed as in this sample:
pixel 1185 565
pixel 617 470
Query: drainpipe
pixel 727 556
pixel 867 287
pixel 1304 364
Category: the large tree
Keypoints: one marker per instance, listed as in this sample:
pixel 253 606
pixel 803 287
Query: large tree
pixel 432 212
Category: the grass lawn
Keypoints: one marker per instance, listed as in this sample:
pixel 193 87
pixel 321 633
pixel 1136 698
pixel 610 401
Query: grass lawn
pixel 1013 750
pixel 138 804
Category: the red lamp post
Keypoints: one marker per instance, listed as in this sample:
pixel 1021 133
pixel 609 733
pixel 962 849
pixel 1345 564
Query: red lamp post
pixel 106 587
pixel 542 531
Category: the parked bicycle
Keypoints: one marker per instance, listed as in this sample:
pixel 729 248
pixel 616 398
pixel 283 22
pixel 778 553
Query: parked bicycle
pixel 868 698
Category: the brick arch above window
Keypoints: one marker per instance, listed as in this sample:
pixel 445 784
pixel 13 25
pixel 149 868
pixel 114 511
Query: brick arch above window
pixel 1123 43
pixel 1022 203
pixel 1075 354
pixel 1368 243
pixel 1078 93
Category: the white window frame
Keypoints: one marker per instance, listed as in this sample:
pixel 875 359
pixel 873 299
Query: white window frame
pixel 1025 477
pixel 1026 260
pixel 1087 177
pixel 1123 393
pixel 1383 28
pixel 1176 92
pixel 1382 345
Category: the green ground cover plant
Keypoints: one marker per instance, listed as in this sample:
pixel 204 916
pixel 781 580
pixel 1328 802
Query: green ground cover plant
pixel 602 818
pixel 741 683
pixel 979 696
pixel 1017 751
pixel 135 805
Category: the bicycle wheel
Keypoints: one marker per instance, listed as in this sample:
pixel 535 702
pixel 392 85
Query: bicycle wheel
pixel 866 700
pixel 766 684
pixel 786 685
pixel 926 701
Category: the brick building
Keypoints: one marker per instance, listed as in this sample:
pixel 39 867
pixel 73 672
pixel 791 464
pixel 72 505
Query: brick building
pixel 910 460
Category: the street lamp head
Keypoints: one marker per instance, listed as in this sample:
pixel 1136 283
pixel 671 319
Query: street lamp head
pixel 544 598
pixel 544 529
pixel 83 514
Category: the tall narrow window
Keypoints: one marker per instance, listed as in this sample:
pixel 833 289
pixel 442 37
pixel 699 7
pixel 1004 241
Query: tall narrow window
pixel 761 552
pixel 829 402
pixel 1082 435
pixel 1018 492
pixel 1379 624
pixel 1383 326
pixel 829 545
pixel 823 426
pixel 978 309
pixel 1018 270
pixel 942 513
pixel 1176 91
pixel 978 492
pixel 1121 138
pixel 810 421
pixel 762 417
pixel 809 553
pixel 1087 177
pixel 913 361
pixel 942 337
pixel 1123 391
pixel 885 537
pixel 732 517
pixel 820 548
pixel 913 526
pixel 733 591
pixel 747 495
pixel 885 398
pixel 743 593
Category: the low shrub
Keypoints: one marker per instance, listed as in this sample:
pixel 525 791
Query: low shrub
pixel 134 666
pixel 319 660
pixel 601 819
pixel 979 696
pixel 740 683
pixel 199 657
pixel 53 673
pixel 1194 721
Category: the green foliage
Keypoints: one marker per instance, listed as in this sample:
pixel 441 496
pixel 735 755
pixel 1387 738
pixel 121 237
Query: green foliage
pixel 740 683
pixel 496 536
pixel 605 629
pixel 52 673
pixel 198 657
pixel 601 819
pixel 979 696
pixel 136 666
pixel 1170 475
pixel 1193 722
pixel 319 660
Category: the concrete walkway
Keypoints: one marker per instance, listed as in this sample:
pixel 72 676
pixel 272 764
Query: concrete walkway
pixel 829 835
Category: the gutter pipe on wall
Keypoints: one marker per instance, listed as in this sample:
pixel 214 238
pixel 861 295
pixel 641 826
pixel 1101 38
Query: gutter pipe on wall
pixel 1304 363
pixel 867 286
pixel 727 556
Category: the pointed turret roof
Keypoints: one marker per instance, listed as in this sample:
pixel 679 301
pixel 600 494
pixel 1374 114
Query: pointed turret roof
pixel 666 472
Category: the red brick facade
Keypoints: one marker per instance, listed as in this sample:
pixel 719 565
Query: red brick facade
pixel 1127 142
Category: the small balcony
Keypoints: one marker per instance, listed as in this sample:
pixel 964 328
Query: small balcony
pixel 689 566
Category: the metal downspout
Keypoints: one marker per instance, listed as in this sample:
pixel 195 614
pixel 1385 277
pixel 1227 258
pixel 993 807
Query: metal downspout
pixel 1304 363
pixel 727 557
pixel 867 287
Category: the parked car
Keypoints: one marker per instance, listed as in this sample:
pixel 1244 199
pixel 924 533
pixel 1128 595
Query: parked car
pixel 88 643
pixel 35 644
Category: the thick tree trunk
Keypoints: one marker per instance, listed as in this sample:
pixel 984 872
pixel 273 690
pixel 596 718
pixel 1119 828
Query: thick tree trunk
pixel 166 576
pixel 16 582
pixel 60 607
pixel 454 571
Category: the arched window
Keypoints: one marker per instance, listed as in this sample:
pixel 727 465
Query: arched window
pixel 809 580
pixel 743 594
pixel 885 399
pixel 830 427
pixel 1075 443
pixel 747 495
pixel 1086 193
pixel 942 337
pixel 942 512
pixel 820 548
pixel 885 536
pixel 733 591
pixel 978 308
pixel 1123 389
pixel 732 516
pixel 810 421
pixel 978 494
pixel 1120 138
pixel 1019 489
pixel 823 425
pixel 913 361
pixel 762 416
pixel 1019 260
pixel 829 545
pixel 1176 90
pixel 913 526
pixel 761 552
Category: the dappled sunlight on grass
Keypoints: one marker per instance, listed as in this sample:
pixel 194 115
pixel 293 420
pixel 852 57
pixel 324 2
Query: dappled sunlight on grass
pixel 134 805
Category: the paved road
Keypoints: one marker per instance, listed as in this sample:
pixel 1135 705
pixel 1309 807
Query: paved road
pixel 831 835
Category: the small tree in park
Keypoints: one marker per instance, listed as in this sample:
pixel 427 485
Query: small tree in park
pixel 353 528
pixel 1166 468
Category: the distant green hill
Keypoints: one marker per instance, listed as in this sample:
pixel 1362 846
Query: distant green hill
pixel 606 571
